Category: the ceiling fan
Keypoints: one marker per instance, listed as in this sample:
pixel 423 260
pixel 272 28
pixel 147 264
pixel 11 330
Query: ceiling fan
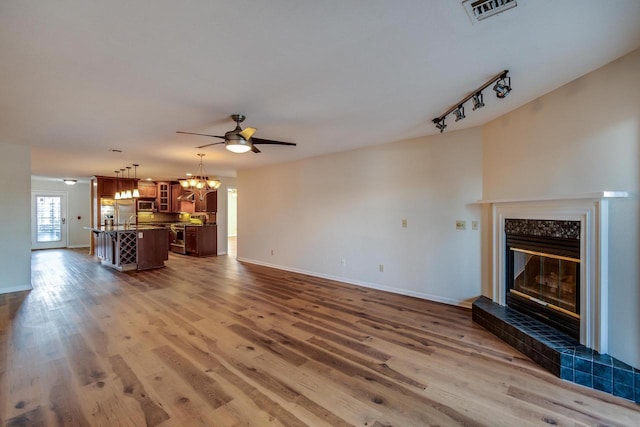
pixel 239 140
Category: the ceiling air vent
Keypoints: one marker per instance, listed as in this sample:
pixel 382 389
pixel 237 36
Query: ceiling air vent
pixel 479 10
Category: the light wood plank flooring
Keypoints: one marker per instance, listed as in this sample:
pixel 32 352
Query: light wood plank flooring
pixel 214 342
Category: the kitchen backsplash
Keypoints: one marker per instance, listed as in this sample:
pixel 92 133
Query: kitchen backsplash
pixel 146 218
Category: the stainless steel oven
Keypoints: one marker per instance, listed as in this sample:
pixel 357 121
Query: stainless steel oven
pixel 177 239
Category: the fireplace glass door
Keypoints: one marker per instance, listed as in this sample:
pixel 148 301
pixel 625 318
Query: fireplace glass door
pixel 547 279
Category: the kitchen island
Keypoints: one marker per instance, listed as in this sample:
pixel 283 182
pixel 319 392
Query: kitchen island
pixel 127 248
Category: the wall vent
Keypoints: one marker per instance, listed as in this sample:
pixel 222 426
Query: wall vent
pixel 479 10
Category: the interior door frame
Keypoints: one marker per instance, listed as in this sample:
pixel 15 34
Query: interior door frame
pixel 64 230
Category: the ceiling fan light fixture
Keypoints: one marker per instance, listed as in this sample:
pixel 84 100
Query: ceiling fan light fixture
pixel 239 140
pixel 238 146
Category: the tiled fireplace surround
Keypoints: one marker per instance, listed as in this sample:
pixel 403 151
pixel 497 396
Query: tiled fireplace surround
pixel 586 361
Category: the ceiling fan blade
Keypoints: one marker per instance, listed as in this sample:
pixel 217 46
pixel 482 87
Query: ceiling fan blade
pixel 200 134
pixel 209 145
pixel 270 141
pixel 248 133
pixel 255 149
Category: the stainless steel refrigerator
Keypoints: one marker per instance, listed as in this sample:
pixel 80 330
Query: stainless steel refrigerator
pixel 121 211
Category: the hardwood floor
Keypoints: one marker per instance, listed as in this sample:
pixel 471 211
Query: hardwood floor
pixel 213 342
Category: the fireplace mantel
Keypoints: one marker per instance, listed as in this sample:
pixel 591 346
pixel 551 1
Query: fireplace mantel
pixel 596 195
pixel 592 210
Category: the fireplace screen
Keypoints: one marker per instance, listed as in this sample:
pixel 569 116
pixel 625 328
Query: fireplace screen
pixel 547 279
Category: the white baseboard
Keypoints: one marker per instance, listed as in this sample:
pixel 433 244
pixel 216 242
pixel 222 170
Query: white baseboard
pixel 15 289
pixel 436 298
pixel 77 246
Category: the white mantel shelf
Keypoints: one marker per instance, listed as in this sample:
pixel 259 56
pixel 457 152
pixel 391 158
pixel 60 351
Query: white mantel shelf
pixel 596 195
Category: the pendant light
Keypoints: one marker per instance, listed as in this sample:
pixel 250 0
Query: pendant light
pixel 117 195
pixel 136 193
pixel 128 193
pixel 123 193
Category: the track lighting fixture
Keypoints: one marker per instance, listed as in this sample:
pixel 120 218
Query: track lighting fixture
pixel 459 113
pixel 502 88
pixel 478 101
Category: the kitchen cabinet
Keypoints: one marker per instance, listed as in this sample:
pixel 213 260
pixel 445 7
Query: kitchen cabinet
pixel 106 186
pixel 163 197
pixel 208 204
pixel 147 189
pixel 178 205
pixel 152 248
pixel 201 240
pixel 127 249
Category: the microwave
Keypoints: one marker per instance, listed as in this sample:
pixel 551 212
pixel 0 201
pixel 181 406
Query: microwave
pixel 146 206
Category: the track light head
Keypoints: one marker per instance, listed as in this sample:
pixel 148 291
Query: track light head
pixel 478 101
pixel 503 86
pixel 440 124
pixel 459 113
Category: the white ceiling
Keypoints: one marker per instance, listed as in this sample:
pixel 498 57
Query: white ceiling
pixel 78 78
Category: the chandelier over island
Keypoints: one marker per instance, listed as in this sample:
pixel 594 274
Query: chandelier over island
pixel 200 183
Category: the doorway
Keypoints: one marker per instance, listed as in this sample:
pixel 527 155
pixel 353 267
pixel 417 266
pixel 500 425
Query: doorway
pixel 49 220
pixel 232 222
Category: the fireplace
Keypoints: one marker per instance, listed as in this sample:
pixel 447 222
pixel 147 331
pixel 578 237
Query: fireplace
pixel 543 241
pixel 543 271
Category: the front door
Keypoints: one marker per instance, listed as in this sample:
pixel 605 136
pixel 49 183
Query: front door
pixel 49 220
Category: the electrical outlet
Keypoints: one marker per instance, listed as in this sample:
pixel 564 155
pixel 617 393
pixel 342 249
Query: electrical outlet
pixel 343 262
pixel 475 225
pixel 404 223
pixel 381 268
pixel 461 225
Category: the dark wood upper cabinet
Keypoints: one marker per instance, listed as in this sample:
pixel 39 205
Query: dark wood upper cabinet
pixel 163 197
pixel 106 186
pixel 208 204
pixel 147 189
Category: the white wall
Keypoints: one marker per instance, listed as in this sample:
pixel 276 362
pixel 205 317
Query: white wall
pixel 313 213
pixel 15 244
pixel 79 205
pixel 582 137
pixel 232 210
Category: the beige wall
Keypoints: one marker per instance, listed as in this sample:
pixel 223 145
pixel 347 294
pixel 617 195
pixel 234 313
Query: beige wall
pixel 582 137
pixel 313 213
pixel 15 244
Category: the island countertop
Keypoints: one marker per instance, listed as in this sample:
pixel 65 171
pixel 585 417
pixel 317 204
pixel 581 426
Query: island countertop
pixel 119 228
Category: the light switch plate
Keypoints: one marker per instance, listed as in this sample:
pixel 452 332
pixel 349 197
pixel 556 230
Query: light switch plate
pixel 461 225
